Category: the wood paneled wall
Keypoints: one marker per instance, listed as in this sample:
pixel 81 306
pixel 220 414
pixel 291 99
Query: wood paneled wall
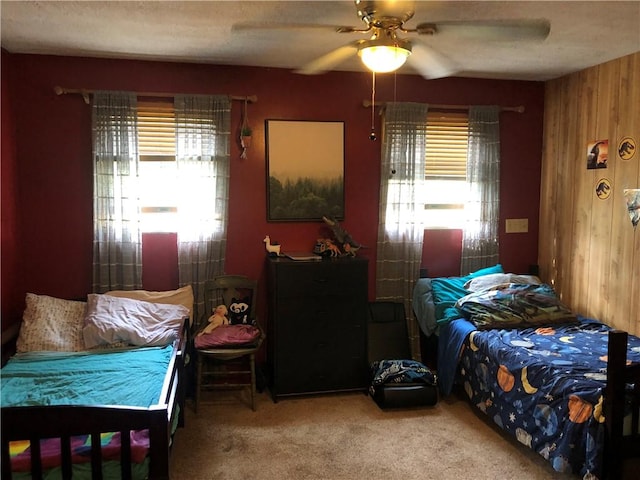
pixel 588 249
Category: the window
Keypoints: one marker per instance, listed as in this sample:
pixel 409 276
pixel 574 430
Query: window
pixel 158 167
pixel 445 191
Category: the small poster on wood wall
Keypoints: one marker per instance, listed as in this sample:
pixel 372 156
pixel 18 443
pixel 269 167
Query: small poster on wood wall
pixel 597 154
pixel 627 148
pixel 632 197
pixel 603 188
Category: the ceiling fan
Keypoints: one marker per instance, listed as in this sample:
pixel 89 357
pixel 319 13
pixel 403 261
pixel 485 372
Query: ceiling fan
pixel 387 48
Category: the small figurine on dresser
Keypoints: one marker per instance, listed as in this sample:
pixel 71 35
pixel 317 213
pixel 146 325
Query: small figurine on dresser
pixel 325 247
pixel 273 250
pixel 343 241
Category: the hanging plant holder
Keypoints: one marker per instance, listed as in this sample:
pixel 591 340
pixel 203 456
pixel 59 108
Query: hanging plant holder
pixel 245 138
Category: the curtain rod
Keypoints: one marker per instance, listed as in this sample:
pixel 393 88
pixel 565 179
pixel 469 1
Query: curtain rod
pixel 85 94
pixel 518 109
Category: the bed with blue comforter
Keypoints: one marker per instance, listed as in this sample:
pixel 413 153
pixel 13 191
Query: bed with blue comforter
pixel 533 367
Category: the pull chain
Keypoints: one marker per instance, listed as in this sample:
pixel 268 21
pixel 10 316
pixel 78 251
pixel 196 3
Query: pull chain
pixel 372 135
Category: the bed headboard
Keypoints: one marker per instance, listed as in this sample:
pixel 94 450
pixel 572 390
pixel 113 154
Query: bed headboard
pixel 9 337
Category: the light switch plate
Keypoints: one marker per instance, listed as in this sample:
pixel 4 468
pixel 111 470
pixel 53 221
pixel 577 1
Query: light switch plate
pixel 517 225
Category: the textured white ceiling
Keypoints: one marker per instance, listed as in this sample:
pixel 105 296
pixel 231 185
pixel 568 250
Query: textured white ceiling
pixel 583 33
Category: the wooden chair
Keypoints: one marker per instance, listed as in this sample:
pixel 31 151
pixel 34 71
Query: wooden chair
pixel 212 363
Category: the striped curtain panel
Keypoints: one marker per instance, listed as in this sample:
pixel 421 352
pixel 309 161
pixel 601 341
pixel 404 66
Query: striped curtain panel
pixel 400 226
pixel 203 125
pixel 117 239
pixel 480 245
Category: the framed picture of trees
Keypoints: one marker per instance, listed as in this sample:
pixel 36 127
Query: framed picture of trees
pixel 305 170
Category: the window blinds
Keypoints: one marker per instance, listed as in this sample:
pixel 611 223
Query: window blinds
pixel 446 150
pixel 156 131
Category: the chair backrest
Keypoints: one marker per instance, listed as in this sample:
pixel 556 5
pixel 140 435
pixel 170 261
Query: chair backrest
pixel 387 332
pixel 237 292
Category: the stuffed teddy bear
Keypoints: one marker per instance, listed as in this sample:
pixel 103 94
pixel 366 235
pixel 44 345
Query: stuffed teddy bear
pixel 218 318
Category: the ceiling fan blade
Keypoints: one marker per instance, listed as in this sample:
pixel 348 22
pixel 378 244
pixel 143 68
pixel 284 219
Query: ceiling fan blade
pixel 328 61
pixel 254 26
pixel 430 63
pixel 509 30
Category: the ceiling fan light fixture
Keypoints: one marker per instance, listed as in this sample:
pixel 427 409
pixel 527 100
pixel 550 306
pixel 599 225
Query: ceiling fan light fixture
pixel 385 52
pixel 384 58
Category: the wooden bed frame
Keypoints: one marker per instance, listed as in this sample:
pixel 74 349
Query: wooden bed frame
pixel 37 422
pixel 620 447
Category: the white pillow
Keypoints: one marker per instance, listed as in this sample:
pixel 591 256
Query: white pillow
pixel 112 319
pixel 181 296
pixel 51 324
pixel 489 281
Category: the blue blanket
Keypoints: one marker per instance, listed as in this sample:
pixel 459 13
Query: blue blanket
pixel 544 386
pixel 131 378
pixel 452 336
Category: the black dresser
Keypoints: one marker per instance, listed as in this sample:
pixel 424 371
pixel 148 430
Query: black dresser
pixel 317 325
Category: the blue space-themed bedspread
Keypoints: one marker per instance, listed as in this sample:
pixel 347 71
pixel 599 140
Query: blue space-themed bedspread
pixel 545 387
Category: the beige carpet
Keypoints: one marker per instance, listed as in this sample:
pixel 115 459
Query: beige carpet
pixel 345 437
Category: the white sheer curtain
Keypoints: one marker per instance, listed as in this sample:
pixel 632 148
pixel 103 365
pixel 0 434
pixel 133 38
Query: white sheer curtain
pixel 202 148
pixel 400 225
pixel 117 240
pixel 480 245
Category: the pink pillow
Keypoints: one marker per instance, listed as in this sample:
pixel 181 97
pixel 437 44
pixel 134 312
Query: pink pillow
pixel 228 336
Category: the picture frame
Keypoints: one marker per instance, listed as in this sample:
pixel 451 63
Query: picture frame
pixel 305 170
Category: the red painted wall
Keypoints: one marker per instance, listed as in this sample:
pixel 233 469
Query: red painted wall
pixel 11 276
pixel 442 252
pixel 51 138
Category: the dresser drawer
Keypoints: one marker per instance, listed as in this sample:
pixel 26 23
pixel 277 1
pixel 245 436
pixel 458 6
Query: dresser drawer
pixel 324 344
pixel 325 278
pixel 305 315
pixel 321 372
